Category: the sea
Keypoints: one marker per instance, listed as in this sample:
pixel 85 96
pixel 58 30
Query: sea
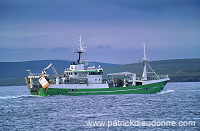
pixel 175 108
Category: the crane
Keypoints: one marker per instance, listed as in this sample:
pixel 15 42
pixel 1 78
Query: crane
pixel 44 72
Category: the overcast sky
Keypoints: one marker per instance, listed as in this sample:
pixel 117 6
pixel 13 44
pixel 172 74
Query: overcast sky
pixel 113 30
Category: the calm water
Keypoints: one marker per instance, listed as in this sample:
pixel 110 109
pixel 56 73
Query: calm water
pixel 177 102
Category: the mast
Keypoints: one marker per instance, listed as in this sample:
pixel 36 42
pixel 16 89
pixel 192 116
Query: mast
pixel 80 50
pixel 144 74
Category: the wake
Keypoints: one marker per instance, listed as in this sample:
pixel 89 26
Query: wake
pixel 165 91
pixel 18 96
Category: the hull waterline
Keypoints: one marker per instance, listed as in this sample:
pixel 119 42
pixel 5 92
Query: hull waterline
pixel 140 89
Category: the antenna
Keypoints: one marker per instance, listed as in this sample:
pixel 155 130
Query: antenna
pixel 81 45
pixel 145 64
pixel 81 49
pixel 144 74
pixel 145 57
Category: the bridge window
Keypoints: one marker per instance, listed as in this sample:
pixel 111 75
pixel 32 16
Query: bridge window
pixel 95 73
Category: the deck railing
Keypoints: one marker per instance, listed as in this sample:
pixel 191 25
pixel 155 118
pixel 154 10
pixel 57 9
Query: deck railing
pixel 153 77
pixel 35 74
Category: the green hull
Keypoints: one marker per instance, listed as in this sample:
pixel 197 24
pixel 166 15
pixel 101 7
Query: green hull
pixel 140 89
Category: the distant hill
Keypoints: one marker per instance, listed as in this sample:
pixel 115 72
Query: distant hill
pixel 17 69
pixel 179 70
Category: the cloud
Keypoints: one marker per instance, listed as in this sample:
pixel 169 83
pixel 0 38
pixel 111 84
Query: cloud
pixel 103 47
pixel 21 54
pixel 94 10
pixel 108 26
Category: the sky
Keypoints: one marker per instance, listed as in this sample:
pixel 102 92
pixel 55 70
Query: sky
pixel 113 30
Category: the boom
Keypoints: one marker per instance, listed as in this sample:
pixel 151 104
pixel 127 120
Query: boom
pixel 44 72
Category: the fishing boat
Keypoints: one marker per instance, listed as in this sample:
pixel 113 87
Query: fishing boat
pixel 80 79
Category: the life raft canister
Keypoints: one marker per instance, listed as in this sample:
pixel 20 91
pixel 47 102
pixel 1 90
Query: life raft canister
pixel 43 82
